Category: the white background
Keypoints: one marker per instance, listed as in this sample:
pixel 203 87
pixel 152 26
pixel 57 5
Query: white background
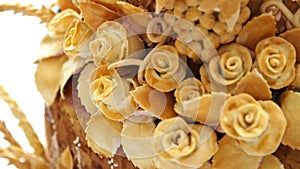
pixel 20 37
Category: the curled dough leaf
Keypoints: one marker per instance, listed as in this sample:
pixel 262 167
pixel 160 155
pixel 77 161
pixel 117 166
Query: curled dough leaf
pixel 136 135
pixel 95 13
pixel 103 135
pixel 187 146
pixel 270 161
pixel 290 108
pixel 275 58
pixel 164 70
pixel 251 33
pixel 48 87
pixel 230 155
pixel 159 104
pixel 255 85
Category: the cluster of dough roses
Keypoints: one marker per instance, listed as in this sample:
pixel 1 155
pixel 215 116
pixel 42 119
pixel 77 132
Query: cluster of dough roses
pixel 166 108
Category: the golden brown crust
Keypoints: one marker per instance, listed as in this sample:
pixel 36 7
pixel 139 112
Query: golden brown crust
pixel 61 118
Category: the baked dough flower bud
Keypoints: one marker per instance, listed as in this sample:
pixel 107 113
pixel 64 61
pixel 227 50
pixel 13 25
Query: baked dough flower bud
pixel 258 125
pixel 60 23
pixel 182 146
pixel 275 58
pixel 112 43
pixel 77 39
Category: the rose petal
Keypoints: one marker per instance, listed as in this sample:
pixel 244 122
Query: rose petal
pixel 296 83
pixel 83 88
pixel 292 36
pixel 289 104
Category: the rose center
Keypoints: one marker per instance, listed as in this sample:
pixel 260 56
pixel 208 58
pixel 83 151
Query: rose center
pixel 252 121
pixel 161 62
pixel 179 144
pixel 233 64
pixel 276 63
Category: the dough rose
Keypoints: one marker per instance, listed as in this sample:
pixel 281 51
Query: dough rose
pixel 110 93
pixel 164 70
pixel 193 102
pixel 258 125
pixel 275 59
pixel 77 39
pixel 232 64
pixel 182 146
pixel 112 43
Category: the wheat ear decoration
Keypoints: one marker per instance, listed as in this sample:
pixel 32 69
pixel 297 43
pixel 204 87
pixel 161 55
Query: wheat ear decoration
pixel 24 124
pixel 7 135
pixel 43 13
